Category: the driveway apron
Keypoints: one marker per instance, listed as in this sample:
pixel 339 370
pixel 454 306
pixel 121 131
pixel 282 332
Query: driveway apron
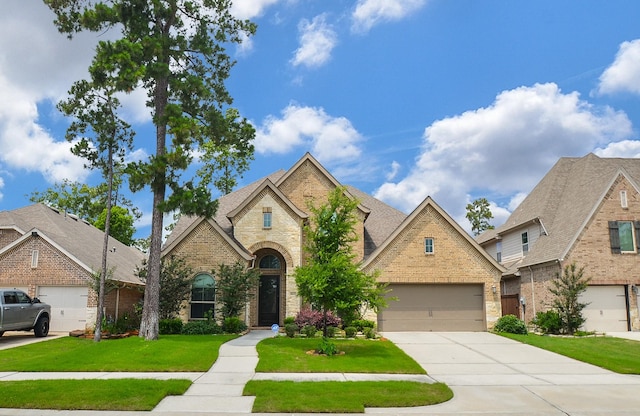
pixel 490 374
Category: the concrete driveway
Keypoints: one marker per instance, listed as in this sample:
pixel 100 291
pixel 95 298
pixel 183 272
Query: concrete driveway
pixel 490 374
pixel 12 339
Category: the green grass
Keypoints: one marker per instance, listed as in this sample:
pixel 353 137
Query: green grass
pixel 169 353
pixel 615 354
pixel 289 355
pixel 342 397
pixel 121 394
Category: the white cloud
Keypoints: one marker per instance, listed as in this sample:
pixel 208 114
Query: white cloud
pixel 395 168
pixel 624 73
pixel 248 9
pixel 330 138
pixel 624 148
pixel 317 40
pixel 503 149
pixel 369 13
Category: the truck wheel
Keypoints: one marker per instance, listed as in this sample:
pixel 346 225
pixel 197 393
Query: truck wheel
pixel 42 327
pixel 1 332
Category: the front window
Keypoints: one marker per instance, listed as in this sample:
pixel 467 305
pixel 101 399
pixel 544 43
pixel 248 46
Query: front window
pixel 428 245
pixel 269 262
pixel 624 236
pixel 266 217
pixel 499 251
pixel 203 296
pixel 525 242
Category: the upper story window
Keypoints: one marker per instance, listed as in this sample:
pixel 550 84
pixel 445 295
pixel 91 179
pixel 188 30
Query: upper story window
pixel 623 199
pixel 499 251
pixel 266 217
pixel 624 236
pixel 525 242
pixel 269 262
pixel 428 245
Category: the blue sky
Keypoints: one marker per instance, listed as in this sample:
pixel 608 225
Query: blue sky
pixel 400 98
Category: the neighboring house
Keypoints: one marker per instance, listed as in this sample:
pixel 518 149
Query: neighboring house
pixel 584 211
pixel 442 278
pixel 52 255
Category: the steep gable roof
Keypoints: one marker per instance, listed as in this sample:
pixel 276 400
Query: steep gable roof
pixel 79 240
pixel 563 202
pixel 266 185
pixel 429 202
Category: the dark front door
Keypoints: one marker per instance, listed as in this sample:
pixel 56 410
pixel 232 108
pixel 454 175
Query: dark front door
pixel 511 305
pixel 269 300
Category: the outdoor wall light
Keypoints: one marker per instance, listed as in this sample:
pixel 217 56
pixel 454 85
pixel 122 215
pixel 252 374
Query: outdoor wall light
pixel 493 289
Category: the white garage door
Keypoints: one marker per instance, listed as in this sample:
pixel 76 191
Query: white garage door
pixel 68 306
pixel 431 307
pixel 607 309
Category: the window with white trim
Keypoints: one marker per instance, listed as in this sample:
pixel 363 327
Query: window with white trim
pixel 525 242
pixel 266 217
pixel 203 296
pixel 624 236
pixel 428 245
pixel 499 251
pixel 623 199
pixel 34 258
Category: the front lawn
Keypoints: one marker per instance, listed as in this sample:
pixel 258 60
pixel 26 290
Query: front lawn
pixel 615 354
pixel 120 394
pixel 289 355
pixel 169 353
pixel 342 397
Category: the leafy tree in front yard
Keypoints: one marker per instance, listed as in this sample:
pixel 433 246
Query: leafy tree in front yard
pixel 235 286
pixel 175 285
pixel 331 280
pixel 566 289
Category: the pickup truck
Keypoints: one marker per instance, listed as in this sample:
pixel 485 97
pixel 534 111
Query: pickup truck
pixel 18 312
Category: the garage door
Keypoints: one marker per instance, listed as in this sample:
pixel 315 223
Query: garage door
pixel 607 309
pixel 434 308
pixel 68 306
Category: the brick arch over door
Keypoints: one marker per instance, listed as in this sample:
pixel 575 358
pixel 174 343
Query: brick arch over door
pixel 269 305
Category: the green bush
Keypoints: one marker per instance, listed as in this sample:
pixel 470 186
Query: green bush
pixel 170 326
pixel 510 324
pixel 289 320
pixel 548 322
pixel 291 329
pixel 327 347
pixel 362 324
pixel 233 325
pixel 309 331
pixel 369 333
pixel 331 331
pixel 350 331
pixel 201 328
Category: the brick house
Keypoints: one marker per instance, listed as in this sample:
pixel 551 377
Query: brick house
pixel 585 210
pixel 442 278
pixel 52 255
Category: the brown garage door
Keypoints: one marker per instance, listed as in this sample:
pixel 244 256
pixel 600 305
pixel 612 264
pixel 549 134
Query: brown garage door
pixel 433 308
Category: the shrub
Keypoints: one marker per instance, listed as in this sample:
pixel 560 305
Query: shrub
pixel 361 324
pixel 510 324
pixel 291 329
pixel 308 316
pixel 201 328
pixel 548 322
pixel 350 331
pixel 331 331
pixel 327 347
pixel 234 325
pixel 289 320
pixel 170 326
pixel 309 331
pixel 369 333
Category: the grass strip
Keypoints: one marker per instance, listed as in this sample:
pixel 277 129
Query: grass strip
pixel 289 355
pixel 169 353
pixel 342 397
pixel 615 354
pixel 119 394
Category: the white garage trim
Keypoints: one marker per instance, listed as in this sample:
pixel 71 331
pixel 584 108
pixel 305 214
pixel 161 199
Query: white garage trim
pixel 434 307
pixel 68 306
pixel 607 309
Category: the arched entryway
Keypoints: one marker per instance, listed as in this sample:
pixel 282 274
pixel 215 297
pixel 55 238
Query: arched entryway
pixel 270 299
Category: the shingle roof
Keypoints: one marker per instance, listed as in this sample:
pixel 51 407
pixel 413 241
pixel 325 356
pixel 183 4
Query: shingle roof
pixel 77 238
pixel 381 221
pixel 563 201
